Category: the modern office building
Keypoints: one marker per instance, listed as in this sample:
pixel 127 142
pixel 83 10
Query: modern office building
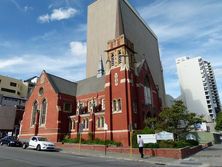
pixel 13 95
pixel 108 19
pixel 198 87
pixel 13 87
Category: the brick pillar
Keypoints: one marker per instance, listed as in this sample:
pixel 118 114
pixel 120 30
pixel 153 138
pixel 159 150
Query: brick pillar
pixel 108 106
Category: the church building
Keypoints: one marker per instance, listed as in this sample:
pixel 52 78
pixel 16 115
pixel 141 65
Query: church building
pixel 115 97
pixel 108 105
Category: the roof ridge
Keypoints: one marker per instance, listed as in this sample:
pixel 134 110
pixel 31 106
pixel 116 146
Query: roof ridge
pixel 87 78
pixel 61 78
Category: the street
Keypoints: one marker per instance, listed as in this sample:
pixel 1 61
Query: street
pixel 17 157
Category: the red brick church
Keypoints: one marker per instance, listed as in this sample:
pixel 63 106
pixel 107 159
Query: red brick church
pixel 120 96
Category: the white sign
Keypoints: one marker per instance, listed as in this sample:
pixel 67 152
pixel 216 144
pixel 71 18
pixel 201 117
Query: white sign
pixel 105 126
pixel 164 136
pixel 147 138
pixel 190 136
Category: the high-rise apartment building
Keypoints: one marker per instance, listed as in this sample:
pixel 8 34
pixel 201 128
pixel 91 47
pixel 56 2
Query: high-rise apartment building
pixel 108 19
pixel 198 87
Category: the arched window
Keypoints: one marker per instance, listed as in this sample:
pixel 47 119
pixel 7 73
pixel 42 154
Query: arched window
pixel 84 123
pixel 98 122
pixel 43 112
pixel 34 111
pixel 90 106
pixel 119 105
pixel 87 123
pixel 147 92
pixel 114 105
pixel 119 57
pixel 112 59
pixel 102 121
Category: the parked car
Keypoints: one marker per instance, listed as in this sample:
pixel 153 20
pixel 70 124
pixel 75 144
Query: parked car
pixel 10 141
pixel 39 143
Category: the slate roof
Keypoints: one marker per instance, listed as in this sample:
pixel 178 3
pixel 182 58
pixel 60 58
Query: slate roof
pixel 138 66
pixel 61 85
pixel 90 85
pixel 83 87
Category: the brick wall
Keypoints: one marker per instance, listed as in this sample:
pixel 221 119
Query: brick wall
pixel 179 153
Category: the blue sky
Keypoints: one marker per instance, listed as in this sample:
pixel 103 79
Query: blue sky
pixel 51 35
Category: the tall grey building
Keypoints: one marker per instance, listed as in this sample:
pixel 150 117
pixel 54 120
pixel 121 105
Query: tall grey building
pixel 107 19
pixel 198 87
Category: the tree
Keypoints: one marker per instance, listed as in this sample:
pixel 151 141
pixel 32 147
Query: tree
pixel 219 121
pixel 175 119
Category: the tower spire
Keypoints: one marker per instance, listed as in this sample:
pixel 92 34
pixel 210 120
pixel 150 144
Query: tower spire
pixel 100 71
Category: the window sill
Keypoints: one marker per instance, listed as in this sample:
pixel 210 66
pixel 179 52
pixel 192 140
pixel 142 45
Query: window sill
pixel 117 112
pixel 42 126
pixel 100 128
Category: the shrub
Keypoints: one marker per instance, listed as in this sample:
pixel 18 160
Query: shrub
pixel 151 145
pixel 192 142
pixel 147 130
pixel 177 144
pixel 90 136
pixel 181 144
pixel 167 144
pixel 96 141
pixel 68 140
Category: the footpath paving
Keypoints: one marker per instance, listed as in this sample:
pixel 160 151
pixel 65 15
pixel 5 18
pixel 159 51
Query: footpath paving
pixel 209 157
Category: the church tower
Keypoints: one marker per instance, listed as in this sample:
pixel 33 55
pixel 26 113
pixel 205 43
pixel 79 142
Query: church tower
pixel 119 92
pixel 120 53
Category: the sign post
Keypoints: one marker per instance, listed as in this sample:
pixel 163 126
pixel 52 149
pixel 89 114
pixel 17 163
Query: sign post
pixel 105 128
pixel 81 127
pixel 131 139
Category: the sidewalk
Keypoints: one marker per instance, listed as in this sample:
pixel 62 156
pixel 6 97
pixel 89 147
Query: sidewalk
pixel 209 157
pixel 119 156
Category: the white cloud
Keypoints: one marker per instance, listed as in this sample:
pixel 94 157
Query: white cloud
pixel 78 48
pixel 178 19
pixel 27 8
pixel 20 8
pixel 186 28
pixel 44 18
pixel 5 63
pixel 58 14
pixel 71 65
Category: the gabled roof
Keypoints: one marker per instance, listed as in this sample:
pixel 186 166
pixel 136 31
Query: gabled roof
pixel 83 87
pixel 61 85
pixel 90 85
pixel 30 79
pixel 138 66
